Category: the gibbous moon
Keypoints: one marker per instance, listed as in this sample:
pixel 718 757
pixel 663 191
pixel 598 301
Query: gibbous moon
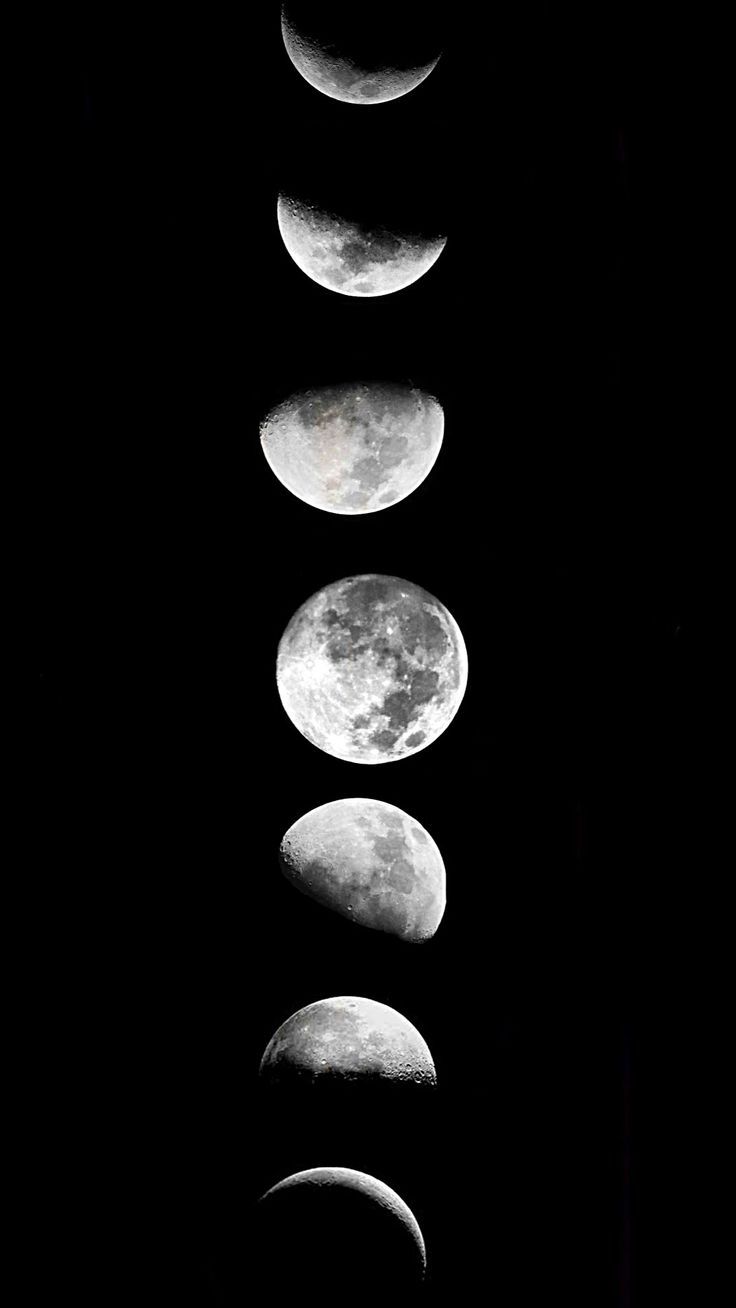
pixel 344 256
pixel 343 74
pixel 371 863
pixel 347 1039
pixel 341 1234
pixel 356 447
pixel 371 669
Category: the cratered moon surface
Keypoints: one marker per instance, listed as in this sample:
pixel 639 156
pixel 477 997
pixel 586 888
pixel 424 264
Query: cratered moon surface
pixel 345 73
pixel 372 669
pixel 341 1233
pixel 347 1039
pixel 343 255
pixel 354 448
pixel 370 862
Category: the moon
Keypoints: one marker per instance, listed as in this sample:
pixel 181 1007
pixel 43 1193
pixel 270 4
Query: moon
pixel 343 74
pixel 372 669
pixel 342 1233
pixel 344 256
pixel 354 448
pixel 370 862
pixel 347 1039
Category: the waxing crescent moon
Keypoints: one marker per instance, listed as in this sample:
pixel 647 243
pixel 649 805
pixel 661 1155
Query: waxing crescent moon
pixel 370 862
pixel 371 669
pixel 356 447
pixel 347 1039
pixel 339 1232
pixel 344 256
pixel 340 75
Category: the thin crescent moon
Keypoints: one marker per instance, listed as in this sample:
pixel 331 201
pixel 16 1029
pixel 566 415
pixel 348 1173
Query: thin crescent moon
pixel 337 76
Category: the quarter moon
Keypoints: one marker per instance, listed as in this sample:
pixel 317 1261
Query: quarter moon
pixel 347 1038
pixel 341 1232
pixel 370 862
pixel 343 76
pixel 372 669
pixel 356 447
pixel 345 256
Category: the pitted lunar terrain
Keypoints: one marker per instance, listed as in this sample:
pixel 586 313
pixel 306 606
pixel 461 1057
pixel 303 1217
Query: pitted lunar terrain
pixel 338 74
pixel 370 862
pixel 355 447
pixel 347 1039
pixel 344 256
pixel 372 669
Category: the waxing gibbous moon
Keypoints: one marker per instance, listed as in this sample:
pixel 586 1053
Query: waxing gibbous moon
pixel 347 1039
pixel 346 74
pixel 354 448
pixel 339 1234
pixel 344 256
pixel 370 862
pixel 372 669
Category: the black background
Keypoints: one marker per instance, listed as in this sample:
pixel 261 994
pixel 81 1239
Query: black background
pixel 169 560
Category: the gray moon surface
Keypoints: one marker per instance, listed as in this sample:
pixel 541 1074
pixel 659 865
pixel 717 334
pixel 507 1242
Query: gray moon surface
pixel 355 1200
pixel 372 669
pixel 356 447
pixel 344 256
pixel 336 74
pixel 347 1039
pixel 370 862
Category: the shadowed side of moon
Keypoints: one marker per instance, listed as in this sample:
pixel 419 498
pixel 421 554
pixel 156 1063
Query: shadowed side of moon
pixel 346 69
pixel 354 448
pixel 337 1234
pixel 347 1039
pixel 344 256
pixel 370 862
pixel 372 669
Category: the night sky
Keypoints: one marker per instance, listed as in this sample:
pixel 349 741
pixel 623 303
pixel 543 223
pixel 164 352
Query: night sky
pixel 168 560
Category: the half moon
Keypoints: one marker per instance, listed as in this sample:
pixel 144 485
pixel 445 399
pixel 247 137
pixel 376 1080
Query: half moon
pixel 370 862
pixel 347 1039
pixel 346 257
pixel 354 448
pixel 336 73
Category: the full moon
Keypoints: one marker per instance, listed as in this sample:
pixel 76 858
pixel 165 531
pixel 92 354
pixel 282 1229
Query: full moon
pixel 372 669
pixel 347 1039
pixel 356 447
pixel 344 256
pixel 371 863
pixel 344 74
pixel 341 1233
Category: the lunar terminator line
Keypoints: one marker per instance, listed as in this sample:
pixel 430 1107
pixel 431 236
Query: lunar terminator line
pixel 370 862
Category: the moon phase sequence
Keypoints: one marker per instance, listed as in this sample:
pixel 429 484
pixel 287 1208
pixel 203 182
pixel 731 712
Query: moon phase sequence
pixel 372 669
pixel 343 76
pixel 341 1232
pixel 370 862
pixel 344 256
pixel 355 447
pixel 347 1039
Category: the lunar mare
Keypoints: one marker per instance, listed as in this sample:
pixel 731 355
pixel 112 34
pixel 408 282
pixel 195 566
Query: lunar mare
pixel 370 862
pixel 346 257
pixel 347 1039
pixel 372 669
pixel 355 447
pixel 342 1233
pixel 336 74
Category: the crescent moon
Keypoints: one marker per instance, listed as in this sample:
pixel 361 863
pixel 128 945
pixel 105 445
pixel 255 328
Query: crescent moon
pixel 333 1222
pixel 336 74
pixel 343 256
